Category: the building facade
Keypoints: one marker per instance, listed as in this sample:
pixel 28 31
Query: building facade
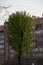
pixel 6 52
pixel 2 44
pixel 37 49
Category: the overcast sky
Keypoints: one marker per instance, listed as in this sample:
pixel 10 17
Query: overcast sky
pixel 34 7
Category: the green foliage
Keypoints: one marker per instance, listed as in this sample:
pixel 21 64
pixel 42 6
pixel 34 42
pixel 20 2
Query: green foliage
pixel 19 25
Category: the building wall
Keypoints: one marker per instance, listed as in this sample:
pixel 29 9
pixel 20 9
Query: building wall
pixel 2 44
pixel 38 37
pixel 6 52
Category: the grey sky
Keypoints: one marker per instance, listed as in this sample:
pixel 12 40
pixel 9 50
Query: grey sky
pixel 34 7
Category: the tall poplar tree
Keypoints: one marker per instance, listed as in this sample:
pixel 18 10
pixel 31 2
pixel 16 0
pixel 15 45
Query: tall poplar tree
pixel 19 36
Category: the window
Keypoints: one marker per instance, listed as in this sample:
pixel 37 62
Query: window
pixel 36 49
pixel 40 44
pixel 40 55
pixel 38 37
pixel 1 33
pixel 1 51
pixel 1 41
pixel 37 55
pixel 2 37
pixel 38 26
pixel 38 31
pixel 41 49
pixel 1 46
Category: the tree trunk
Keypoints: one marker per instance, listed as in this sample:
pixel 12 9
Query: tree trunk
pixel 19 57
pixel 20 45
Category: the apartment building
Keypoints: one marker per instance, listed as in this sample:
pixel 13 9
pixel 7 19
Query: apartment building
pixel 6 52
pixel 2 56
pixel 37 48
